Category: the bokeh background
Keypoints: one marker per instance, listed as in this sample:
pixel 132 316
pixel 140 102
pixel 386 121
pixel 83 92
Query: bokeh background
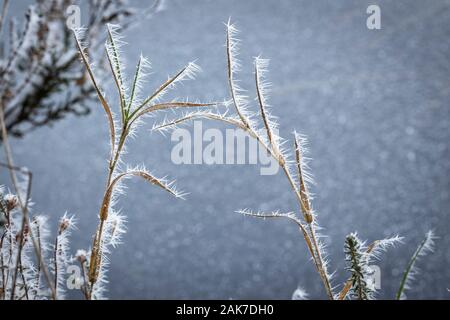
pixel 374 104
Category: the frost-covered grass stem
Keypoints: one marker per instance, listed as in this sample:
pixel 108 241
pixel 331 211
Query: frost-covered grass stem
pixel 133 109
pixel 425 247
pixel 23 204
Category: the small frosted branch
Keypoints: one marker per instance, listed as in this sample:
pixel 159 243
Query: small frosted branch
pixel 358 265
pixel 372 251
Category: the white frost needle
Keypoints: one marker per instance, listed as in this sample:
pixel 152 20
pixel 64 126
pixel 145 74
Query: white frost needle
pixel 358 265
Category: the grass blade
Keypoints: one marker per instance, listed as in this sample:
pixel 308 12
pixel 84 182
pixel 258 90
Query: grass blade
pixel 99 94
pixel 425 247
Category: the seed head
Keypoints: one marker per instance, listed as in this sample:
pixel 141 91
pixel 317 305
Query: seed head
pixel 81 256
pixel 64 225
pixel 11 202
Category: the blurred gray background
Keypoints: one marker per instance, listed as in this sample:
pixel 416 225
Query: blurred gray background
pixel 374 104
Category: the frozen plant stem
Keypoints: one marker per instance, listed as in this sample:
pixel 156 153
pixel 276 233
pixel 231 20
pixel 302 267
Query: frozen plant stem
pixel 132 109
pixel 96 247
pixel 304 203
pixel 357 265
pixel 24 207
pixel 270 142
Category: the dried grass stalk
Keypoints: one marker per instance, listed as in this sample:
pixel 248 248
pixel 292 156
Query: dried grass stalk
pixel 133 108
